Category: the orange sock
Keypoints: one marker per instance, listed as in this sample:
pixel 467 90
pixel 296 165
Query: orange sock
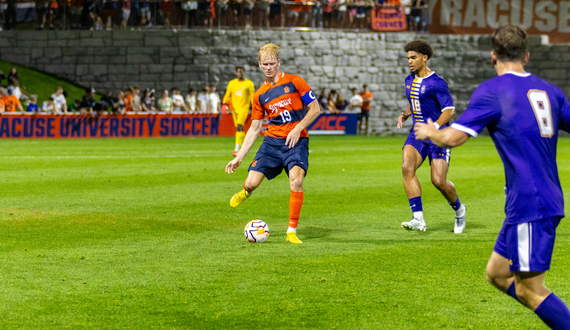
pixel 295 204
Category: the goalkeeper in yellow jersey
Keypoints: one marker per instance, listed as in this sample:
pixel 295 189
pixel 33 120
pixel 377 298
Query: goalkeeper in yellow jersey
pixel 240 93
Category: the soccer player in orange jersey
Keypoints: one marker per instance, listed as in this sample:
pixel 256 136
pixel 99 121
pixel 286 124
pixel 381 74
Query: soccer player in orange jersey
pixel 291 106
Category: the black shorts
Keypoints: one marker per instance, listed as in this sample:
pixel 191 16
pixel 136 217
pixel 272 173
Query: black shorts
pixel 274 156
pixel 364 114
pixel 274 10
pixel 247 11
pixel 236 7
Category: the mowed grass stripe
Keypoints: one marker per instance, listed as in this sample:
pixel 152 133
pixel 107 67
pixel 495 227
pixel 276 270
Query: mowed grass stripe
pixel 138 233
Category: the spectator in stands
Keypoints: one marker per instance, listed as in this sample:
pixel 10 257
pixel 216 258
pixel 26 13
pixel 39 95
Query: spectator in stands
pixel 328 13
pixel 164 103
pixel 2 76
pixel 204 104
pixel 16 91
pixel 33 105
pixel 191 100
pixel 2 104
pixel 356 106
pixel 13 76
pixel 87 102
pixel 416 14
pixel 121 106
pixel 41 10
pixel 148 101
pixel 360 14
pixel 317 15
pixel 264 18
pixel 74 108
pixel 75 10
pixel 10 14
pixel 53 8
pixel 222 10
pixel 128 99
pixel 107 102
pixel 145 13
pixel 49 107
pixel 11 102
pixel 341 103
pixel 276 12
pixel 212 12
pixel 59 100
pixel 216 104
pixel 178 103
pixel 192 8
pixel 126 11
pixel 340 12
pixel 236 10
pixel 136 101
pixel 331 106
pixel 247 11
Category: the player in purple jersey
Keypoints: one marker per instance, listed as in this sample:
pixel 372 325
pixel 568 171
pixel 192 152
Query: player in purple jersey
pixel 523 114
pixel 428 98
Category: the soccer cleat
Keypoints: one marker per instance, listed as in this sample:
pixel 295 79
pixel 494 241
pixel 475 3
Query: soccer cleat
pixel 460 222
pixel 414 224
pixel 238 198
pixel 292 238
pixel 234 153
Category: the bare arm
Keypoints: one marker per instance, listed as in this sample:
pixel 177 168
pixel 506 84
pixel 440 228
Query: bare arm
pixel 403 117
pixel 448 137
pixel 445 117
pixel 250 137
pixel 312 114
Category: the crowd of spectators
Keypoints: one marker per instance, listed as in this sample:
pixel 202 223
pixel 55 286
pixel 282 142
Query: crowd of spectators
pixel 359 102
pixel 126 14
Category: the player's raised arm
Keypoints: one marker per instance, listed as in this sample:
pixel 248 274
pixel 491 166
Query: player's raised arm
pixel 312 114
pixel 448 137
pixel 250 137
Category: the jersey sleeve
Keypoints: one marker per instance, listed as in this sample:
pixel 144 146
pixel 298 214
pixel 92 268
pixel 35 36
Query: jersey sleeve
pixel 444 96
pixel 565 115
pixel 226 98
pixel 304 90
pixel 257 112
pixel 481 111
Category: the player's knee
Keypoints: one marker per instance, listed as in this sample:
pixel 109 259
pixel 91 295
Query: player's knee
pixel 439 182
pixel 408 169
pixel 239 128
pixel 251 184
pixel 296 184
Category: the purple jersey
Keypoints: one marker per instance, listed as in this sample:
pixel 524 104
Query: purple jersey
pixel 523 114
pixel 428 97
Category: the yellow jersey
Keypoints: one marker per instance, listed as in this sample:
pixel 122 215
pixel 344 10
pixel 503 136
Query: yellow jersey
pixel 240 93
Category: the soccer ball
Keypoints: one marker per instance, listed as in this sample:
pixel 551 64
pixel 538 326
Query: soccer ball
pixel 256 231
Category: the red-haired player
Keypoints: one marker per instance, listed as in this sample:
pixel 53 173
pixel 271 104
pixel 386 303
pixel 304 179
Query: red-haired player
pixel 290 106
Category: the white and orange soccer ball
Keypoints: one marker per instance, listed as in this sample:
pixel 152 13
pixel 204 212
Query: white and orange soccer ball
pixel 256 231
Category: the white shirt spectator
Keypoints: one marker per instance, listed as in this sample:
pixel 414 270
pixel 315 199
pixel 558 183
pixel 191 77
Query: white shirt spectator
pixel 407 6
pixel 215 102
pixel 191 100
pixel 50 108
pixel 177 102
pixel 58 101
pixel 204 102
pixel 356 102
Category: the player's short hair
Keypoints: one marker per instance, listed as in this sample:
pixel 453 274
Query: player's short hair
pixel 509 43
pixel 419 46
pixel 271 50
pixel 365 86
pixel 240 67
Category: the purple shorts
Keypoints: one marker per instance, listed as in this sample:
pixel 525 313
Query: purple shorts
pixel 528 245
pixel 429 149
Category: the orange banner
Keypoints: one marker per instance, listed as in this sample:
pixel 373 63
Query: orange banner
pixel 28 126
pixel 483 17
pixel 384 19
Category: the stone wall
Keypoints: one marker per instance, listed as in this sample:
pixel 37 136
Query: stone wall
pixel 327 60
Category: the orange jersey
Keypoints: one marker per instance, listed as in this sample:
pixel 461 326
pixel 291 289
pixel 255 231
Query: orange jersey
pixel 128 99
pixel 366 104
pixel 284 103
pixel 10 103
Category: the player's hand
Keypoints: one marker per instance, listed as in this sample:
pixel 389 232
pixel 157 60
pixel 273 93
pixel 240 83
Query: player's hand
pixel 293 138
pixel 233 165
pixel 424 131
pixel 400 121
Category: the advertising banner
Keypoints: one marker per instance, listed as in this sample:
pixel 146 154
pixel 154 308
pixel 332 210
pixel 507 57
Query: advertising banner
pixel 385 19
pixel 550 17
pixel 41 126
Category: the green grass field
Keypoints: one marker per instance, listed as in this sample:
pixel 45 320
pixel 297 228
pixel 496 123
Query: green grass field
pixel 139 234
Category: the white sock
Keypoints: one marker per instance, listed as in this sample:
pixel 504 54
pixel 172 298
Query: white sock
pixel 419 215
pixel 237 147
pixel 460 211
pixel 291 229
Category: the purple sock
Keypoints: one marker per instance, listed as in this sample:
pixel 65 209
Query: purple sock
pixel 554 313
pixel 512 292
pixel 455 205
pixel 416 204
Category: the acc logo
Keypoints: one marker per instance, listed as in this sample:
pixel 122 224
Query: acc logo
pixel 286 89
pixel 423 89
pixel 254 163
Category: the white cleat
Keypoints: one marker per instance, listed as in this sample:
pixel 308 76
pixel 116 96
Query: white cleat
pixel 460 222
pixel 414 224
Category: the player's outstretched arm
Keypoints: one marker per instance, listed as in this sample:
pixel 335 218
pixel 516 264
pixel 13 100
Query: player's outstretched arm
pixel 312 114
pixel 444 117
pixel 250 137
pixel 403 117
pixel 446 138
